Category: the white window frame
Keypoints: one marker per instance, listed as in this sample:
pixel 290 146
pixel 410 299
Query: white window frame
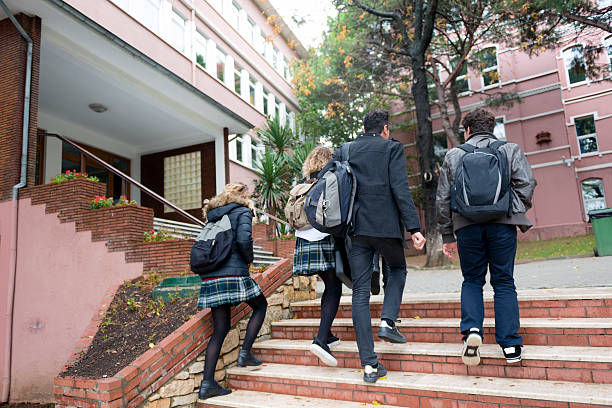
pixel 252 85
pixel 250 31
pixel 276 58
pixel 234 15
pixel 200 46
pixel 219 52
pixel 492 68
pixel 261 48
pixel 266 102
pixel 607 43
pixel 566 68
pixel 217 5
pixel 467 78
pixel 590 135
pixel 237 75
pixel 139 13
pixel 600 203
pixel 177 20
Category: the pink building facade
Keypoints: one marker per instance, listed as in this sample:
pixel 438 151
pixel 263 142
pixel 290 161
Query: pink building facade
pixel 562 124
pixel 159 89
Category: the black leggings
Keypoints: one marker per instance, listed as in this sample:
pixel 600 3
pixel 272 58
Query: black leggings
pixel 221 325
pixel 329 303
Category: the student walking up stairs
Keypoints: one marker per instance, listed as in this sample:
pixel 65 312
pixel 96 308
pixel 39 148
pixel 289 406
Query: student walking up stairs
pixel 567 359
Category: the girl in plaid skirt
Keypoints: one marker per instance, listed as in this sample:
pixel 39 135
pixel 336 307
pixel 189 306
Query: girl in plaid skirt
pixel 230 285
pixel 314 254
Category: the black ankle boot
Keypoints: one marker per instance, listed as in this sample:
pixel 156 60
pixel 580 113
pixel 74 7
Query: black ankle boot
pixel 246 358
pixel 209 389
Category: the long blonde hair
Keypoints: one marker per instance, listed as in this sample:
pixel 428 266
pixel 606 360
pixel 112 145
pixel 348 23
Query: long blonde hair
pixel 316 160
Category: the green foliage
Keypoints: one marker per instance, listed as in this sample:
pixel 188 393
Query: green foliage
pixel 276 136
pixel 71 175
pixel 104 202
pixel 271 191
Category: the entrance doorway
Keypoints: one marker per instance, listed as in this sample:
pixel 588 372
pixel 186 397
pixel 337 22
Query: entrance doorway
pixel 71 160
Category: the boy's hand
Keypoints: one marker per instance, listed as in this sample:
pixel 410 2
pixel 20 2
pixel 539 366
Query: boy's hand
pixel 418 240
pixel 449 249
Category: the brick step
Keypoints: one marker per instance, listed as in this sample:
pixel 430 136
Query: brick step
pixel 417 389
pixel 253 399
pixel 596 332
pixel 555 363
pixel 562 302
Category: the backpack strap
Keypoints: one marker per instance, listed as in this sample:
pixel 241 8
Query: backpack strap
pixel 497 144
pixel 468 148
pixel 345 151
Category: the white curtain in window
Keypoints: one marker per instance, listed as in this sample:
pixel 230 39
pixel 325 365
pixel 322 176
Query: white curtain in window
pixel 147 12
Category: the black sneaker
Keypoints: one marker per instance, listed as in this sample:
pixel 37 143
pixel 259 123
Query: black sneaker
pixel 471 347
pixel 209 389
pixel 391 334
pixel 513 354
pixel 323 352
pixel 246 358
pixel 371 374
pixel 332 341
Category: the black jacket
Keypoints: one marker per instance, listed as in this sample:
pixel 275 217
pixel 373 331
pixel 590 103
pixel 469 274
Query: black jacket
pixel 383 204
pixel 242 246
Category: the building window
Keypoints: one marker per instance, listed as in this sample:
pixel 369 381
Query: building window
pixel 250 31
pixel 239 148
pixel 488 66
pixel 124 4
pixel 276 107
pixel 266 98
pixel 234 15
pixel 275 58
pixel 575 64
pixel 177 31
pixel 221 65
pixel 608 46
pixel 440 142
pixel 586 134
pixel 262 43
pixel 461 83
pixel 218 4
pixel 237 79
pixel 183 181
pixel 500 129
pixel 254 154
pixel 201 45
pixel 593 195
pixel 287 68
pixel 147 12
pixel 251 90
pixel 431 89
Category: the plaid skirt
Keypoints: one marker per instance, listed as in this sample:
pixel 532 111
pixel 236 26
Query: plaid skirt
pixel 312 257
pixel 227 290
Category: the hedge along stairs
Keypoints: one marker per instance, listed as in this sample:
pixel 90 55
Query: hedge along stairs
pixel 567 359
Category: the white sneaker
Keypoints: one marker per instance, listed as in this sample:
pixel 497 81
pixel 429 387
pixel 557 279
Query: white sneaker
pixel 471 347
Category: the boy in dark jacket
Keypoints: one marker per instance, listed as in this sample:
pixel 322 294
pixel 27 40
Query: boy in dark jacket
pixel 383 210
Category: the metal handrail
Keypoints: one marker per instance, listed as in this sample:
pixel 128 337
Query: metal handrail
pixel 127 179
pixel 124 177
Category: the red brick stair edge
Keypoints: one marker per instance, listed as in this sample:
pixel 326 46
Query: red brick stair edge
pixel 137 381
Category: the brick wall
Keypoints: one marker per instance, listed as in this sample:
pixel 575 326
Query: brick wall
pixel 167 257
pixel 13 50
pixel 134 384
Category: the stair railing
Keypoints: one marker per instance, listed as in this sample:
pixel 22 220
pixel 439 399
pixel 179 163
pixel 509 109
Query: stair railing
pixel 126 180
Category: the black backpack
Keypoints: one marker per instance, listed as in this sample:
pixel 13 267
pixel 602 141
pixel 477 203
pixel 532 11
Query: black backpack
pixel 212 247
pixel 329 203
pixel 482 191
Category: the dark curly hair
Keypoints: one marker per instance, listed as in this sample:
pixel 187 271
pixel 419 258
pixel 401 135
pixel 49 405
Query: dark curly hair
pixel 375 121
pixel 478 121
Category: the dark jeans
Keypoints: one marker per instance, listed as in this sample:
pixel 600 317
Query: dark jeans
pixel 376 267
pixel 492 245
pixel 362 251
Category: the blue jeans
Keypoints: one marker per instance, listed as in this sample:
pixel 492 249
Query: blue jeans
pixel 360 260
pixel 492 245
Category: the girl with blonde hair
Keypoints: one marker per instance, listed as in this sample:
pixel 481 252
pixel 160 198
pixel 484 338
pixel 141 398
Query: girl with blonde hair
pixel 231 285
pixel 315 254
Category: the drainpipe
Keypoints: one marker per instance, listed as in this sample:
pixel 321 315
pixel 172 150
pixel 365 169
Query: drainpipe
pixel 8 336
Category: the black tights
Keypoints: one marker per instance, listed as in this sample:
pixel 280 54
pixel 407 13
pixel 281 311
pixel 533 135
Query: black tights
pixel 329 303
pixel 221 325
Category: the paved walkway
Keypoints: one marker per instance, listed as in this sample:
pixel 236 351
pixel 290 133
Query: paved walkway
pixel 560 273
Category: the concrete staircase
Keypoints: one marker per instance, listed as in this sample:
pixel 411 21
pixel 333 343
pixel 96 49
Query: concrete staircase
pixel 191 231
pixel 567 361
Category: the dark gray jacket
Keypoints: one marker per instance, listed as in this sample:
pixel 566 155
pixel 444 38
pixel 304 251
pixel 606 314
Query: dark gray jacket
pixel 383 204
pixel 241 256
pixel 521 177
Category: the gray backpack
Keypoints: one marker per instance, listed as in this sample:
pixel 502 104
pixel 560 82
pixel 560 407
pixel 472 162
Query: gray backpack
pixel 212 247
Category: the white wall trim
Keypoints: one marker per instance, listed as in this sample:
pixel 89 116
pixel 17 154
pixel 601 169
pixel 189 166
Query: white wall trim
pixel 596 167
pixel 552 149
pixel 587 97
pixel 539 115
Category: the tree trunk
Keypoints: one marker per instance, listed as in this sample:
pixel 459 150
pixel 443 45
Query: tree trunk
pixel 429 177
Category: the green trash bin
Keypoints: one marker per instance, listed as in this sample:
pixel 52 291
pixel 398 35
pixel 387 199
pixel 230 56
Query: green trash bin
pixel 182 287
pixel 602 228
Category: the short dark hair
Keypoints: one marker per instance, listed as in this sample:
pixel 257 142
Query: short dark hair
pixel 375 121
pixel 479 120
